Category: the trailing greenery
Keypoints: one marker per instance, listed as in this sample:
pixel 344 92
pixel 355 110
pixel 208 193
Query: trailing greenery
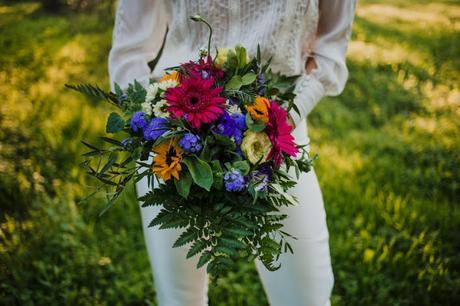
pixel 387 166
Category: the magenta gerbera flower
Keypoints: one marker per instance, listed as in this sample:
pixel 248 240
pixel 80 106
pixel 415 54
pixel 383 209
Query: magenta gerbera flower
pixel 196 101
pixel 204 69
pixel 279 132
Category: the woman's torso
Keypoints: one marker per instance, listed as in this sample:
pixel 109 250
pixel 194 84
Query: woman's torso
pixel 283 28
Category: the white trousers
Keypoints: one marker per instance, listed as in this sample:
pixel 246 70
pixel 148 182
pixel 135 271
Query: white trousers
pixel 304 279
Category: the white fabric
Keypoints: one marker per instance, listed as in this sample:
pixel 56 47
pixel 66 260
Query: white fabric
pixel 288 30
pixel 305 277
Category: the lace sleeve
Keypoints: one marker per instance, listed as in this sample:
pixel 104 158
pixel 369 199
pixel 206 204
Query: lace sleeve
pixel 137 36
pixel 328 50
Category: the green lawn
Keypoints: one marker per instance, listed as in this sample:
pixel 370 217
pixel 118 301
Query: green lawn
pixel 389 150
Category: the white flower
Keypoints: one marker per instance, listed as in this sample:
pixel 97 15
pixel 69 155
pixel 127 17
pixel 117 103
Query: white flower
pixel 167 84
pixel 232 108
pixel 147 108
pixel 160 109
pixel 152 91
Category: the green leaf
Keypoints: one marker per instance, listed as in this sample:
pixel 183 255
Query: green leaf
pixel 115 123
pixel 176 223
pixel 254 126
pixel 187 236
pixel 285 195
pixel 162 217
pixel 258 53
pixel 201 172
pixel 112 159
pixel 241 56
pixel 153 63
pixel 204 258
pixel 248 78
pixel 238 232
pixel 94 91
pixel 183 184
pixel 218 174
pixel 118 90
pixel 232 243
pixel 243 166
pixel 235 83
pixel 111 141
pixel 226 251
pixel 196 247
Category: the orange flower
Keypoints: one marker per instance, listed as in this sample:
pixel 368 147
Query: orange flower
pixel 173 76
pixel 259 109
pixel 167 161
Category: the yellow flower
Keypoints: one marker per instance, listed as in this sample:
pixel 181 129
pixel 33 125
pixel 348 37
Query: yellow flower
pixel 173 76
pixel 222 56
pixel 256 146
pixel 259 109
pixel 167 161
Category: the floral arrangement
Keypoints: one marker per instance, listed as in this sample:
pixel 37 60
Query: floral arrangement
pixel 213 133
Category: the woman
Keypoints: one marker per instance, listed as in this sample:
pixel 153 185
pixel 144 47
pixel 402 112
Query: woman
pixel 306 37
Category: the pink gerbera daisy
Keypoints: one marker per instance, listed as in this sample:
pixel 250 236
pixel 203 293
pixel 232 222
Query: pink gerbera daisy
pixel 195 100
pixel 279 132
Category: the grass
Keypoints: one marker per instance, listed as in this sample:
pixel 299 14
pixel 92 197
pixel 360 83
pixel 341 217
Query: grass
pixel 388 165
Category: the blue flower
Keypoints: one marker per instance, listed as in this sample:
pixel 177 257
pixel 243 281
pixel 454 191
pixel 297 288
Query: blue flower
pixel 238 136
pixel 226 125
pixel 156 128
pixel 138 122
pixel 231 126
pixel 190 143
pixel 234 181
pixel 240 120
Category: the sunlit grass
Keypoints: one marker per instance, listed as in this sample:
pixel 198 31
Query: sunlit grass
pixel 388 165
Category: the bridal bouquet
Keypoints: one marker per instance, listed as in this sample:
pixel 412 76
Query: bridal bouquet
pixel 213 133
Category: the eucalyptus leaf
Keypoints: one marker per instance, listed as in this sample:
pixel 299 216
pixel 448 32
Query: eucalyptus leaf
pixel 201 172
pixel 235 83
pixel 183 184
pixel 248 78
pixel 115 123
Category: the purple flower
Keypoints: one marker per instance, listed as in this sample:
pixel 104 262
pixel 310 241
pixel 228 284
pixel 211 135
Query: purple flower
pixel 261 178
pixel 138 122
pixel 240 120
pixel 233 101
pixel 261 83
pixel 127 142
pixel 261 79
pixel 190 143
pixel 156 128
pixel 226 125
pixel 234 181
pixel 238 136
pixel 204 74
pixel 231 126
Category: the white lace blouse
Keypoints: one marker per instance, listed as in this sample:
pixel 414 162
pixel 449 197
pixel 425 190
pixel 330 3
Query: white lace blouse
pixel 289 30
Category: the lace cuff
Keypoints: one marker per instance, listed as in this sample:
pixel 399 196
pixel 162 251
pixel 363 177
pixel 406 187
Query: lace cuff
pixel 309 90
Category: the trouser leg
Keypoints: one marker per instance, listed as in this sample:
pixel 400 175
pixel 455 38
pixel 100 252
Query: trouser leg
pixel 305 277
pixel 177 281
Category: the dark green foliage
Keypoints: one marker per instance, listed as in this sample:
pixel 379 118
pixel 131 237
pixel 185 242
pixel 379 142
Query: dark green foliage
pixel 115 123
pixel 233 229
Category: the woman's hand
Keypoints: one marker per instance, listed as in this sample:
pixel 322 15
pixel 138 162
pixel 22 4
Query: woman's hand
pixel 310 64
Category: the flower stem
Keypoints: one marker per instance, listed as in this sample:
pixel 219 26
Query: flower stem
pixel 198 18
